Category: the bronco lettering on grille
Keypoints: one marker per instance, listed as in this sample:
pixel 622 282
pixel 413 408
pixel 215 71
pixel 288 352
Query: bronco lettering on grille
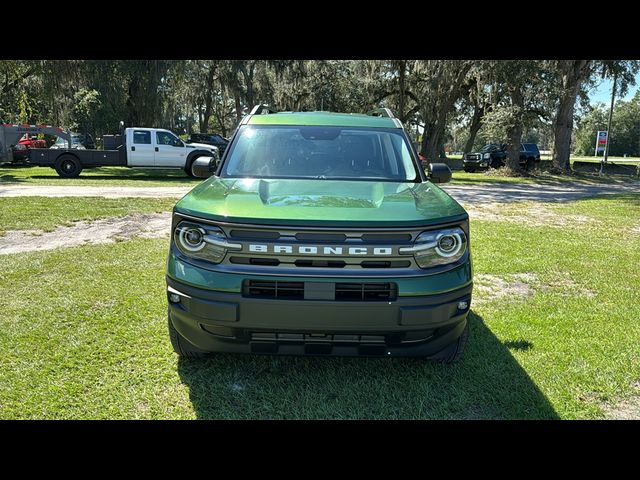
pixel 314 250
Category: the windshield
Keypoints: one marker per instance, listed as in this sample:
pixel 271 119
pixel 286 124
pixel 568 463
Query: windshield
pixel 489 148
pixel 320 152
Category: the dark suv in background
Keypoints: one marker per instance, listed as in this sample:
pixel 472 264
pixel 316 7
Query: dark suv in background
pixel 494 156
pixel 210 139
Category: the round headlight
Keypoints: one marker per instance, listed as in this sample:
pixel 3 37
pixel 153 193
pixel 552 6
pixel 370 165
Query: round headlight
pixel 449 245
pixel 438 247
pixel 192 238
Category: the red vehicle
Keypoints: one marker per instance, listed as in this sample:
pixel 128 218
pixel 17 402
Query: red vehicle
pixel 28 141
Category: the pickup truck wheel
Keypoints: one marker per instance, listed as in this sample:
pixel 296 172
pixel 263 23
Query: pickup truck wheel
pixel 453 352
pixel 68 166
pixel 181 346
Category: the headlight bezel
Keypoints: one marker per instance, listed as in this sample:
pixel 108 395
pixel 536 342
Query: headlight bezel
pixel 427 249
pixel 213 245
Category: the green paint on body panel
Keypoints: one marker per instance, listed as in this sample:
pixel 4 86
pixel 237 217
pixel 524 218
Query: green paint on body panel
pixel 321 202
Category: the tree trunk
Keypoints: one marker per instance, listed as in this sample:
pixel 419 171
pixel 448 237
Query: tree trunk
pixel 513 149
pixel 435 116
pixel 430 141
pixel 238 109
pixel 562 129
pixel 402 65
pixel 515 132
pixel 478 113
pixel 201 123
pixel 208 100
pixel 574 72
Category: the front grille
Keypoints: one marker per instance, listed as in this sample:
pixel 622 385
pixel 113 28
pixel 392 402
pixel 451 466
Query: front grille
pixel 386 264
pixel 273 289
pixel 271 262
pixel 319 263
pixel 325 251
pixel 253 235
pixel 415 336
pixel 365 291
pixel 362 292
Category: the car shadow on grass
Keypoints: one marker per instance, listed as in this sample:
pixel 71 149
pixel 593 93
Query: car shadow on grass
pixel 488 383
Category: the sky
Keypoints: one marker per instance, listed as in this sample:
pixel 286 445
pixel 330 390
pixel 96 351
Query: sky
pixel 602 93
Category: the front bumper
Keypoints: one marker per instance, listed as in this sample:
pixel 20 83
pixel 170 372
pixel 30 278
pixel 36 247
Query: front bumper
pixel 230 322
pixel 476 164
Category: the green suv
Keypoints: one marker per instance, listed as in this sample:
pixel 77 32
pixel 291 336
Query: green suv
pixel 319 234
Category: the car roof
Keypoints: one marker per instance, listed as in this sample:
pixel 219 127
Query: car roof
pixel 323 119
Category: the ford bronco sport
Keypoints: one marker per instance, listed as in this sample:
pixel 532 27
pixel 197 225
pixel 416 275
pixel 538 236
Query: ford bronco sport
pixel 319 233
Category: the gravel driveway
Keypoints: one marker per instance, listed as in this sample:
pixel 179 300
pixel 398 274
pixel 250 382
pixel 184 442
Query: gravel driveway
pixel 107 191
pixel 481 193
pixel 505 193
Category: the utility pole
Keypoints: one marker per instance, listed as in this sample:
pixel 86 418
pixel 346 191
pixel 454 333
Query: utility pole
pixel 606 146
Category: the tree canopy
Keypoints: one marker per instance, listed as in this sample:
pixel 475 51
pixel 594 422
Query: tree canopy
pixel 444 104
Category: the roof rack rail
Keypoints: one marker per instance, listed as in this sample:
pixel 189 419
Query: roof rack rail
pixel 381 112
pixel 262 110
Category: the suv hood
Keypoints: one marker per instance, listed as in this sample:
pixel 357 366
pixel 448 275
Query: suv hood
pixel 320 202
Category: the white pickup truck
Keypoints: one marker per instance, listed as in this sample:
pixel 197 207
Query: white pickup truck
pixel 135 147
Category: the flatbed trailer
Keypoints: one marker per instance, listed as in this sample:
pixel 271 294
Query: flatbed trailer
pixel 10 135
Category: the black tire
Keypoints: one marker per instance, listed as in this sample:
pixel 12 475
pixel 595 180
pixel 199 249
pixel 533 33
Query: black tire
pixel 470 170
pixel 68 166
pixel 182 346
pixel 453 352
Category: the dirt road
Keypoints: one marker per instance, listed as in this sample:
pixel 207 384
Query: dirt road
pixel 480 193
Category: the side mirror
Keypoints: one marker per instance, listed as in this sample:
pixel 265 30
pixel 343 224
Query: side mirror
pixel 203 167
pixel 439 173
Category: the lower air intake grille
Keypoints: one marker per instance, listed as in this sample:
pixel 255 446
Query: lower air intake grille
pixel 365 291
pixel 362 292
pixel 274 289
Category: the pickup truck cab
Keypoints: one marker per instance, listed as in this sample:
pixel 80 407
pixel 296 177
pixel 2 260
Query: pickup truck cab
pixel 319 234
pixel 136 147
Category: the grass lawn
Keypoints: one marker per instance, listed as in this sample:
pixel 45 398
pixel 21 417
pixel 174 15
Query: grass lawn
pixel 83 335
pixel 618 160
pixel 27 213
pixel 540 177
pixel 139 177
